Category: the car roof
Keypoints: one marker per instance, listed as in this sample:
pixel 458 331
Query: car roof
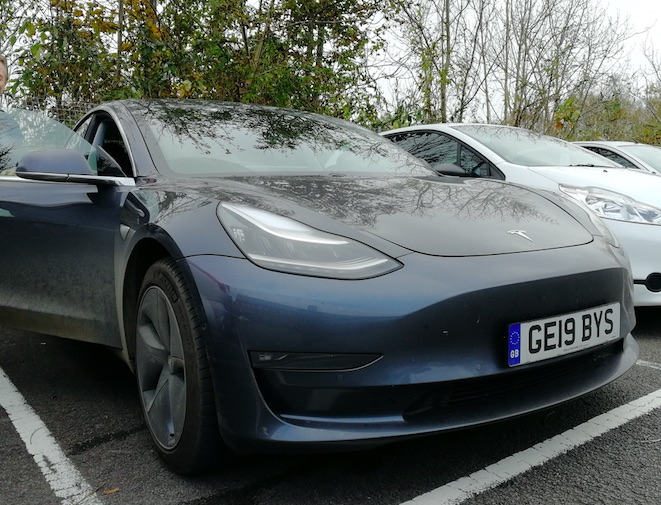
pixel 605 142
pixel 443 126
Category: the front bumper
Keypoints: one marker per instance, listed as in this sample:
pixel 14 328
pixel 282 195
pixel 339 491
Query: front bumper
pixel 433 337
pixel 642 243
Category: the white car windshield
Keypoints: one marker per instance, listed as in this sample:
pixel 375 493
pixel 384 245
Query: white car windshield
pixel 524 147
pixel 649 154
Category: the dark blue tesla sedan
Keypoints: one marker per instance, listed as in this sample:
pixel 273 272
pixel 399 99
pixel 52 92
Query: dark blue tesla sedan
pixel 283 281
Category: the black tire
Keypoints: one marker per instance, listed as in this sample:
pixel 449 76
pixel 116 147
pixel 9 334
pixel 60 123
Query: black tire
pixel 172 368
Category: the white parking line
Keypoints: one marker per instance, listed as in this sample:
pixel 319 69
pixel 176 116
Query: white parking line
pixel 649 364
pixel 64 479
pixel 71 488
pixel 483 480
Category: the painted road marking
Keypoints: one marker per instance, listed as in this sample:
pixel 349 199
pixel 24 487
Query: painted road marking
pixel 71 488
pixel 483 480
pixel 648 364
pixel 64 479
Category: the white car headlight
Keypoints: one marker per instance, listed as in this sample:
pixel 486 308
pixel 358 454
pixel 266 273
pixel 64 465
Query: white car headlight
pixel 610 205
pixel 283 244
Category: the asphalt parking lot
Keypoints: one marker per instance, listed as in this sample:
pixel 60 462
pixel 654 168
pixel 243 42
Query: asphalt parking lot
pixel 75 436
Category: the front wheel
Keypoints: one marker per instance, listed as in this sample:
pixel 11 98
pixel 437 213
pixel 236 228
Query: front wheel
pixel 172 368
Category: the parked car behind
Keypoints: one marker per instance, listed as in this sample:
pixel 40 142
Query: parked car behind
pixel 644 157
pixel 629 201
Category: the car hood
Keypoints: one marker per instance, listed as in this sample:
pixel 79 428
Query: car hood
pixel 429 215
pixel 642 186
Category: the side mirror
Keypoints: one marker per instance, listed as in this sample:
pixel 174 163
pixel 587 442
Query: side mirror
pixel 64 165
pixel 449 169
pixel 53 165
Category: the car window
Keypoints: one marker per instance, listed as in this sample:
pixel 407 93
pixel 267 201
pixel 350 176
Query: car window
pixel 432 147
pixel 109 156
pixel 83 127
pixel 607 153
pixel 437 148
pixel 472 163
pixel 26 131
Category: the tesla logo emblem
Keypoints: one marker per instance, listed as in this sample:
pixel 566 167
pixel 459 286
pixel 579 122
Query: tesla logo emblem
pixel 520 233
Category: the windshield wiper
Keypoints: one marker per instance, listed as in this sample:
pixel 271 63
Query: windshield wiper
pixel 592 165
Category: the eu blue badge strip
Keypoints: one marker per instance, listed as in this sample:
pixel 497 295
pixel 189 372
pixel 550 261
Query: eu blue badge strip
pixel 514 345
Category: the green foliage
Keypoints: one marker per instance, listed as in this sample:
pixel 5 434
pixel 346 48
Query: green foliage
pixel 612 114
pixel 463 56
pixel 303 54
pixel 63 53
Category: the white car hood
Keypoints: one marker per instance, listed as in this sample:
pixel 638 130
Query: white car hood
pixel 642 186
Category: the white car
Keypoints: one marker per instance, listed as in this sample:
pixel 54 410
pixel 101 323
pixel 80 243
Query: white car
pixel 629 201
pixel 644 157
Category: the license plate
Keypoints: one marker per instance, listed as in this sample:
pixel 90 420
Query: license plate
pixel 556 336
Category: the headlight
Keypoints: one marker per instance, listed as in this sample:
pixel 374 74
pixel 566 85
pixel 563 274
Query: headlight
pixel 611 205
pixel 279 243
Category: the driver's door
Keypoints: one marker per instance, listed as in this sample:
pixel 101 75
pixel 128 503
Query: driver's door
pixel 57 264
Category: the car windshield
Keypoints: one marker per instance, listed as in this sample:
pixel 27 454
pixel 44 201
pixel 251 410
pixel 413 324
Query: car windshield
pixel 649 154
pixel 524 147
pixel 203 139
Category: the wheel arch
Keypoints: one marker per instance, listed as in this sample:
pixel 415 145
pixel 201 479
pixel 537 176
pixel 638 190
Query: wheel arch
pixel 145 253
